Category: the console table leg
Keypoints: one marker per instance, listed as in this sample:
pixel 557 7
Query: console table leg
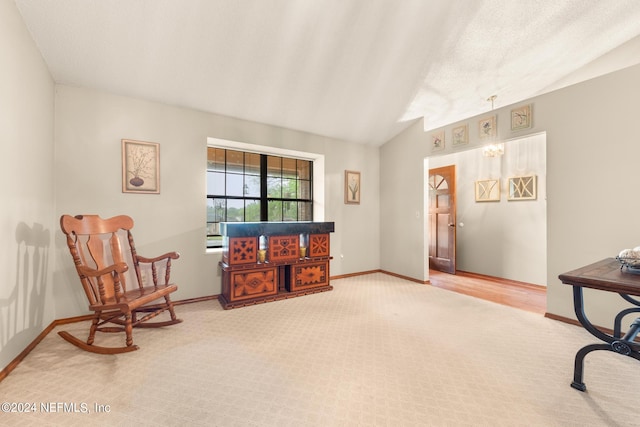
pixel 579 364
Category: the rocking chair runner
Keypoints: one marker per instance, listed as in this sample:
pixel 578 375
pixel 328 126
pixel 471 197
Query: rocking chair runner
pixel 103 252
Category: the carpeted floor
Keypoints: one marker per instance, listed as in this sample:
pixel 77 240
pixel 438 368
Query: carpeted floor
pixel 375 351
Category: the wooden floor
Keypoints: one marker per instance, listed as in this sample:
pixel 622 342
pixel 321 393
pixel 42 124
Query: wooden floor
pixel 507 292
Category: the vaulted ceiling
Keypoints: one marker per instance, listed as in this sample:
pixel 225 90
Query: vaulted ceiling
pixel 358 70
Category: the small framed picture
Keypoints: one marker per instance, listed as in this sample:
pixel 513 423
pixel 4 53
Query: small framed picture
pixel 140 167
pixel 352 187
pixel 487 127
pixel 488 190
pixel 437 141
pixel 460 135
pixel 521 118
pixel 523 188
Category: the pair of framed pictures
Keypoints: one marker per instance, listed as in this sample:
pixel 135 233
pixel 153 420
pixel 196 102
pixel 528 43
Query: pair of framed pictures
pixel 459 135
pixel 520 188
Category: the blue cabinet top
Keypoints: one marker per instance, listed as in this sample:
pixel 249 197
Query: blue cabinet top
pixel 248 229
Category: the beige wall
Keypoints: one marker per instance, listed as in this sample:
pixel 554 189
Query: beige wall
pixel 89 127
pixel 592 152
pixel 26 187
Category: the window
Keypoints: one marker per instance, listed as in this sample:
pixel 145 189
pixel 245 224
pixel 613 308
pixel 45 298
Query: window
pixel 244 186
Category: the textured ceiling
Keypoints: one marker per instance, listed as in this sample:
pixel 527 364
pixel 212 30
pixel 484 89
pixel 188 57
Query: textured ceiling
pixel 358 70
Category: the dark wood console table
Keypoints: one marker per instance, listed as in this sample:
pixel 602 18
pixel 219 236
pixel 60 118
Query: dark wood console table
pixel 269 261
pixel 606 275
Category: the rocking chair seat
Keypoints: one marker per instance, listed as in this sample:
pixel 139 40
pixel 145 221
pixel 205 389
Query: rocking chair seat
pixel 135 298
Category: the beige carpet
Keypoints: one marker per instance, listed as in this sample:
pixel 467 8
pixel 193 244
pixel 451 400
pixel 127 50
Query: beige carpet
pixel 375 351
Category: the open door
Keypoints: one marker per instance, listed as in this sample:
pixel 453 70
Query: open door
pixel 442 219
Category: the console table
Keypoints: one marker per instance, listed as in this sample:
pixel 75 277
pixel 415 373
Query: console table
pixel 606 275
pixel 270 261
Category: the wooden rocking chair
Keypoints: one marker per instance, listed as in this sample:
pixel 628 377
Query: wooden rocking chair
pixel 103 252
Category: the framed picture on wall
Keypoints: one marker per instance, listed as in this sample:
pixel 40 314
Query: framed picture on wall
pixel 140 167
pixel 521 118
pixel 523 188
pixel 437 141
pixel 487 127
pixel 488 190
pixel 352 187
pixel 460 135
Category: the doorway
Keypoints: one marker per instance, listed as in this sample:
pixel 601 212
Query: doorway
pixel 442 219
pixel 499 237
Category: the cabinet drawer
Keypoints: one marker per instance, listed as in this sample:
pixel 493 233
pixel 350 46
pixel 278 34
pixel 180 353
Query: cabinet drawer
pixel 254 283
pixel 319 245
pixel 241 250
pixel 284 248
pixel 309 275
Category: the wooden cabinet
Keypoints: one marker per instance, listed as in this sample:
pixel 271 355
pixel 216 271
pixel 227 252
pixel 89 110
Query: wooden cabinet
pixel 265 261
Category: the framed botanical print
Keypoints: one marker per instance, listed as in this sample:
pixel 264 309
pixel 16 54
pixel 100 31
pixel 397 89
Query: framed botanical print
pixel 487 127
pixel 460 135
pixel 521 118
pixel 437 141
pixel 352 187
pixel 140 167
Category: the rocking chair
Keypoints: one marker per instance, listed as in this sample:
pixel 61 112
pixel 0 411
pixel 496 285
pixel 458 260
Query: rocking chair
pixel 104 254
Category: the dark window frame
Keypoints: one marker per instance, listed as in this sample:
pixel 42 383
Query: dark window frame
pixel 300 178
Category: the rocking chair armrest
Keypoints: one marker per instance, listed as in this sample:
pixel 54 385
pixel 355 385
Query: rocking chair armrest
pixel 119 267
pixel 99 291
pixel 168 255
